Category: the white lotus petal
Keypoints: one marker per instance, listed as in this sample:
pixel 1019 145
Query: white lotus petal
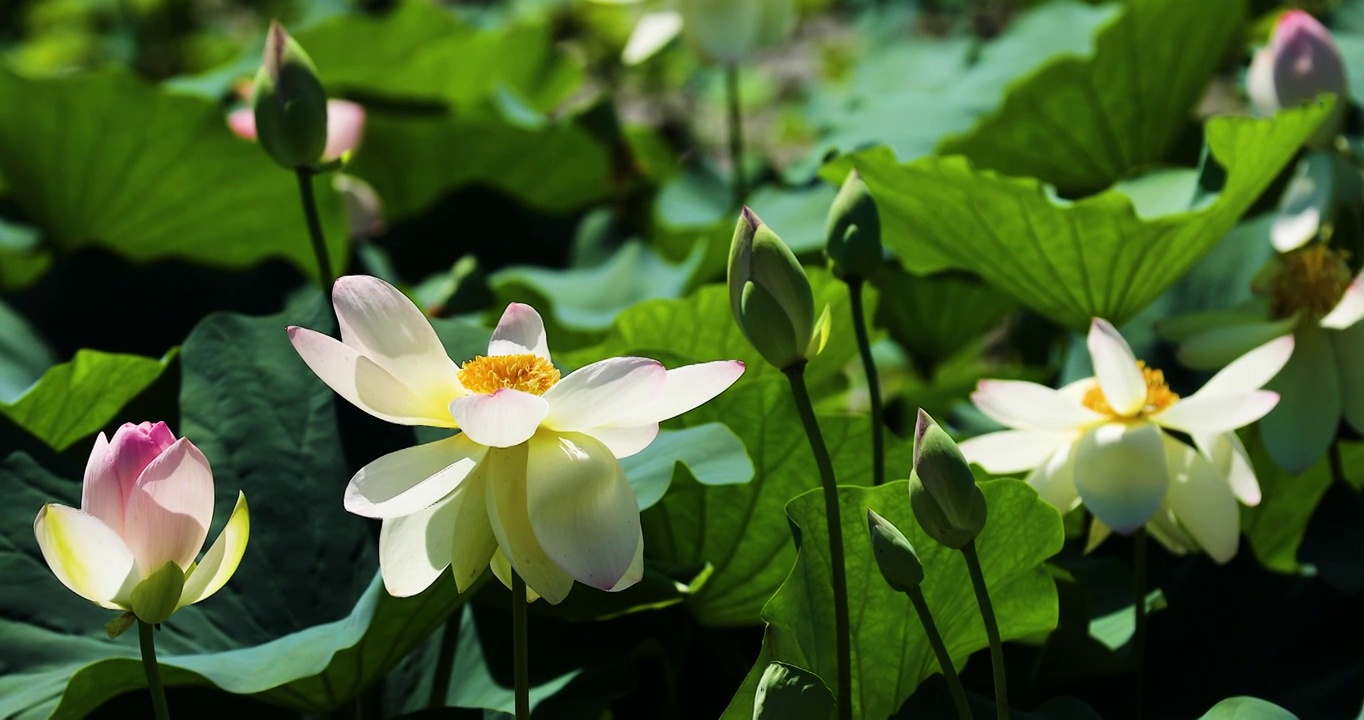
pixel 1251 371
pixel 1121 474
pixel 651 34
pixel 1306 203
pixel 608 392
pixel 519 332
pixel 1211 414
pixel 1202 500
pixel 403 482
pixel 222 558
pixel 688 387
pixel 1115 367
pixel 1350 309
pixel 503 419
pixel 383 325
pixel 1054 480
pixel 85 554
pixel 366 385
pixel 1029 406
pixel 1013 451
pixel 624 441
pixel 508 512
pixel 1229 456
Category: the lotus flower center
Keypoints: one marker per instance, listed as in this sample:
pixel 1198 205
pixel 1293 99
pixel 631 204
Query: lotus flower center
pixel 1310 281
pixel 1158 395
pixel 526 372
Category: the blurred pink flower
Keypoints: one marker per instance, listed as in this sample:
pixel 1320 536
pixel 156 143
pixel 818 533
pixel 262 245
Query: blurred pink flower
pixel 345 126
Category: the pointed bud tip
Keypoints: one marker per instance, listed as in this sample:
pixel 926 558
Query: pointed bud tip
pixel 751 218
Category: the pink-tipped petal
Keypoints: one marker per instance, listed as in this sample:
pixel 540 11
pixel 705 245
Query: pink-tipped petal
pixel 1350 309
pixel 85 554
pixel 1306 60
pixel 1211 414
pixel 366 385
pixel 608 392
pixel 1115 367
pixel 384 326
pixel 404 482
pixel 1029 406
pixel 1013 451
pixel 519 332
pixel 242 123
pixel 688 387
pixel 170 508
pixel 101 492
pixel 502 419
pixel 345 127
pixel 1251 371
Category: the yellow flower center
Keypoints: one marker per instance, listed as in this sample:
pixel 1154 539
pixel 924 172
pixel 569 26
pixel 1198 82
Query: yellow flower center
pixel 526 372
pixel 1158 395
pixel 1311 281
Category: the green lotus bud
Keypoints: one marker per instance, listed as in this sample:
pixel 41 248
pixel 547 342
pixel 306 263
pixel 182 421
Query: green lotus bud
pixel 157 596
pixel 771 296
pixel 289 103
pixel 729 31
pixel 942 491
pixel 899 563
pixel 787 692
pixel 853 231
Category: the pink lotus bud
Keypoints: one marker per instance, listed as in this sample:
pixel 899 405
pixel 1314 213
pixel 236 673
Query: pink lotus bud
pixel 1300 63
pixel 345 127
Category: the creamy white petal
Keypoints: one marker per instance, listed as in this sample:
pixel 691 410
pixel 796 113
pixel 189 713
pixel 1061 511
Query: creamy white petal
pixel 415 549
pixel 473 544
pixel 608 392
pixel 509 515
pixel 688 387
pixel 1251 371
pixel 1202 500
pixel 503 572
pixel 1121 474
pixel 1212 414
pixel 403 482
pixel 84 553
pixel 366 385
pixel 1348 345
pixel 503 419
pixel 1029 406
pixel 624 441
pixel 1116 369
pixel 635 572
pixel 519 332
pixel 170 508
pixel 1228 454
pixel 1054 480
pixel 652 32
pixel 222 558
pixel 581 507
pixel 1260 82
pixel 1350 309
pixel 1014 451
pixel 1300 428
pixel 1306 203
pixel 1220 347
pixel 383 325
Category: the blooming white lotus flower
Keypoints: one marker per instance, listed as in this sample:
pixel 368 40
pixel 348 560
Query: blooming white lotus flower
pixel 532 482
pixel 1311 294
pixel 1103 441
pixel 146 504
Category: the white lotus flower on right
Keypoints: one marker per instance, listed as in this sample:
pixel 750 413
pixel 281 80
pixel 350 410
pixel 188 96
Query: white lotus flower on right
pixel 1104 441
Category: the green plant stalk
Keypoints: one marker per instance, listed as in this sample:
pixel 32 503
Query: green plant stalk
pixel 842 629
pixel 445 660
pixel 878 438
pixel 149 666
pixel 309 198
pixel 987 615
pixel 521 649
pixel 1139 630
pixel 949 671
pixel 736 134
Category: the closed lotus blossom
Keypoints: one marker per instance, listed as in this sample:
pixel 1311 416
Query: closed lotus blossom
pixel 1104 441
pixel 146 503
pixel 532 481
pixel 345 127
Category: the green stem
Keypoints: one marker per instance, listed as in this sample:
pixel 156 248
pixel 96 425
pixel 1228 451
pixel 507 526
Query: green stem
pixel 305 192
pixel 842 630
pixel 445 660
pixel 1139 607
pixel 521 650
pixel 878 438
pixel 949 671
pixel 987 614
pixel 1337 466
pixel 736 133
pixel 158 691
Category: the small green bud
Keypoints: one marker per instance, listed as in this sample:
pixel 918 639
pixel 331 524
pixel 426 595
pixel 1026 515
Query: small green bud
pixel 119 625
pixel 787 692
pixel 771 296
pixel 158 595
pixel 289 103
pixel 942 491
pixel 853 231
pixel 899 563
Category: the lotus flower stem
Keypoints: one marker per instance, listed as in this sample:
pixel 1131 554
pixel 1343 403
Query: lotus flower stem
pixel 987 614
pixel 842 631
pixel 148 643
pixel 521 649
pixel 949 671
pixel 878 438
pixel 736 134
pixel 305 192
pixel 1139 632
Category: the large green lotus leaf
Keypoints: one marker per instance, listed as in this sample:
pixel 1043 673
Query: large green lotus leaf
pixel 935 316
pixel 104 158
pixel 413 160
pixel 1247 708
pixel 24 356
pixel 23 260
pixel 78 397
pixel 891 656
pixel 1083 123
pixel 1071 261
pixel 739 529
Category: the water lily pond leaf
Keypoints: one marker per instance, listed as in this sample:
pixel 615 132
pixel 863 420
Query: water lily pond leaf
pixel 75 399
pixel 1082 123
pixel 890 653
pixel 1072 260
pixel 740 529
pixel 104 158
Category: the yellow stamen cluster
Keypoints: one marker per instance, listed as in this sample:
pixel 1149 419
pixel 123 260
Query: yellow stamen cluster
pixel 1311 281
pixel 1158 395
pixel 526 372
